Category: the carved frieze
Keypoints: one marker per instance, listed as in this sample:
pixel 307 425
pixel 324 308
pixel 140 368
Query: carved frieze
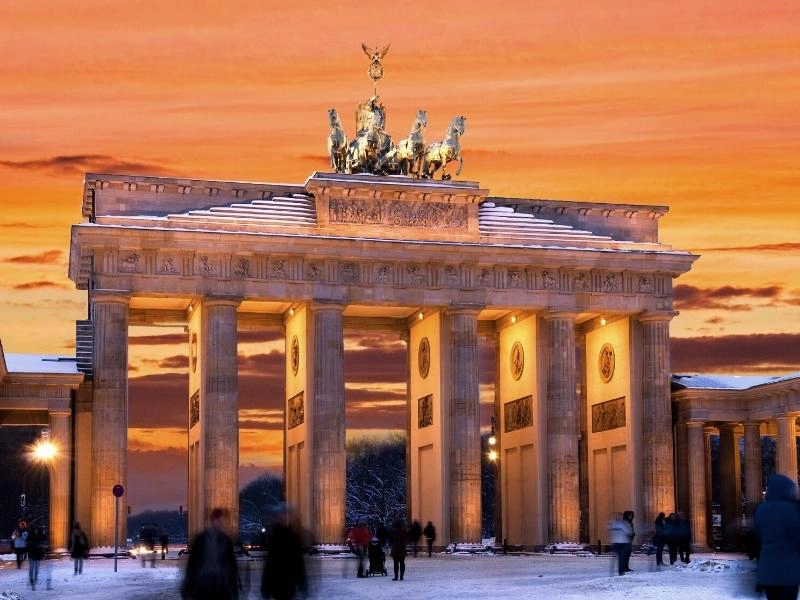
pixel 294 353
pixel 194 409
pixel 484 278
pixel 606 363
pixel 398 213
pixel 205 265
pixel 383 274
pixel 277 269
pixel 130 263
pixel 516 278
pixel 168 266
pixel 518 413
pixel 451 275
pixel 644 284
pixel 612 282
pixel 550 280
pixel 348 272
pixel 313 271
pixel 241 267
pixel 608 415
pixel 517 362
pixel 424 357
pixel 415 274
pixel 295 411
pixel 425 411
pixel 581 282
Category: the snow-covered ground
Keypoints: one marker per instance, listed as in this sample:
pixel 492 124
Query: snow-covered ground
pixel 443 576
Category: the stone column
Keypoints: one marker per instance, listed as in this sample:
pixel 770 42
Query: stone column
pixel 562 429
pixel 752 465
pixel 60 478
pixel 109 415
pixel 707 433
pixel 657 459
pixel 465 436
pixel 696 466
pixel 786 446
pixel 729 503
pixel 219 403
pixel 328 423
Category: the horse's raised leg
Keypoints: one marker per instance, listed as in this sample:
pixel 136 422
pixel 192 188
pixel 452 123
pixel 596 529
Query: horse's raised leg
pixel 460 166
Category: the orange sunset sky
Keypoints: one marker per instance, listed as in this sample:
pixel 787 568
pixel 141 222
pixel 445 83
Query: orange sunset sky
pixel 691 104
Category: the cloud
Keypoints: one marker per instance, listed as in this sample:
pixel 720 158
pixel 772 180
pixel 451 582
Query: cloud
pixel 39 285
pixel 23 225
pixel 689 297
pixel 161 339
pixel 780 247
pixel 766 352
pixel 71 164
pixel 48 257
pixel 179 361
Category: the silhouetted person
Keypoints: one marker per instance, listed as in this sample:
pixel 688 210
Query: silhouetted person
pixel 211 573
pixel 397 539
pixel 415 534
pixel 164 541
pixel 149 553
pixel 430 535
pixel 284 569
pixel 777 523
pixel 78 547
pixel 672 529
pixel 361 536
pixel 37 548
pixel 684 538
pixel 627 516
pixel 19 539
pixel 382 533
pixel 660 537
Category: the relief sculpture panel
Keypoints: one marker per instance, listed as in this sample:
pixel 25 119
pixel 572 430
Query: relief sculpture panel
pixel 397 213
pixel 518 413
pixel 608 415
pixel 296 411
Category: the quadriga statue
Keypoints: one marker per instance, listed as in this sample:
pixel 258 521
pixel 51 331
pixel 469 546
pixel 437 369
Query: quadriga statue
pixel 404 158
pixel 438 154
pixel 337 142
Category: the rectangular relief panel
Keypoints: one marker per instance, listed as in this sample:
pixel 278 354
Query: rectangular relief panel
pixel 608 415
pixel 194 409
pixel 425 411
pixel 296 410
pixel 518 413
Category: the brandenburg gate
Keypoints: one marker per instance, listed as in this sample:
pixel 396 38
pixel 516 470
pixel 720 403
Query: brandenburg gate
pixel 577 297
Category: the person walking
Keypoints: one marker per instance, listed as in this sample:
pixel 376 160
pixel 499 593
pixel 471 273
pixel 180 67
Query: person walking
pixel 660 537
pixel 777 524
pixel 78 547
pixel 672 534
pixel 284 570
pixel 684 530
pixel 627 516
pixel 621 533
pixel 37 548
pixel 397 539
pixel 19 539
pixel 164 540
pixel 415 534
pixel 211 573
pixel 430 535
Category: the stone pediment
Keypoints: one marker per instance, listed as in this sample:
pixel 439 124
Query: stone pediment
pixel 371 207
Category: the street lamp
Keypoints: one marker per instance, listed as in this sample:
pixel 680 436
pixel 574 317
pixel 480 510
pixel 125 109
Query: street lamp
pixel 492 437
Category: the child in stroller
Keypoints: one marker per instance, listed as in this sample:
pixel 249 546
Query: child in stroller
pixel 377 558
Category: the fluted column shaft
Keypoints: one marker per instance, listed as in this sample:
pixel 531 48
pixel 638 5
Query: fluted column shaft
pixel 752 465
pixel 786 446
pixel 465 450
pixel 109 416
pixel 729 502
pixel 328 423
pixel 219 403
pixel 562 429
pixel 657 460
pixel 60 479
pixel 696 465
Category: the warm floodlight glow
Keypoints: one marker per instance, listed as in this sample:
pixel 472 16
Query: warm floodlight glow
pixel 514 319
pixel 492 440
pixel 420 316
pixel 603 321
pixel 291 311
pixel 492 455
pixel 44 450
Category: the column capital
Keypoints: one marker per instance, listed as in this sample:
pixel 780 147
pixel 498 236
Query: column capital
pixel 752 424
pixel 696 424
pixel 727 426
pixel 320 305
pixel 207 301
pixel 657 316
pixel 464 310
pixel 559 315
pixel 59 412
pixel 787 417
pixel 110 297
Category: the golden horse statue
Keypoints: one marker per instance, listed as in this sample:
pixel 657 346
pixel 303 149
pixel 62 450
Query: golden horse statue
pixel 405 157
pixel 337 142
pixel 438 154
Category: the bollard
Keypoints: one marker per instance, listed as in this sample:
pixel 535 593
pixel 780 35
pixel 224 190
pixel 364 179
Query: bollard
pixel 599 548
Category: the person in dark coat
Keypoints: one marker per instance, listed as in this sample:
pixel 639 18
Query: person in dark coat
pixel 37 549
pixel 684 538
pixel 164 541
pixel 211 573
pixel 284 570
pixel 430 535
pixel 415 534
pixel 777 524
pixel 382 533
pixel 78 547
pixel 660 537
pixel 397 538
pixel 672 534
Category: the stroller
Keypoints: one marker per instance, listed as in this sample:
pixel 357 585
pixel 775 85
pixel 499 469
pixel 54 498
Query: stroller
pixel 377 559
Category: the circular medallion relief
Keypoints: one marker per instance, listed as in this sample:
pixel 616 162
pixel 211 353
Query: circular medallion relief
pixel 517 360
pixel 605 362
pixel 424 357
pixel 295 355
pixel 193 352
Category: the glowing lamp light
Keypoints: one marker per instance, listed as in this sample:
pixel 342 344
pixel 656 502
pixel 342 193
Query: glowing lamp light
pixel 44 450
pixel 420 316
pixel 514 318
pixel 493 455
pixel 492 440
pixel 291 311
pixel 603 321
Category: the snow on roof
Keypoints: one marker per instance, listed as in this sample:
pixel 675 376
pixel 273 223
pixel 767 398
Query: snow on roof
pixel 728 382
pixel 41 363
